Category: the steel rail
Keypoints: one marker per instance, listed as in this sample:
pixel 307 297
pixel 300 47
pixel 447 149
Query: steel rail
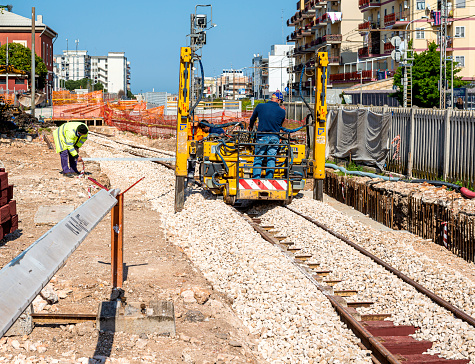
pixel 62 318
pixel 133 146
pixel 437 299
pixel 369 341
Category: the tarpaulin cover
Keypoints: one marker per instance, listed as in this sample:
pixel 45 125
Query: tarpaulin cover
pixel 361 134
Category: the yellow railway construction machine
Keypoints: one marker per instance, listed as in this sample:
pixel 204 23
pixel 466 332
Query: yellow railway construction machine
pixel 225 161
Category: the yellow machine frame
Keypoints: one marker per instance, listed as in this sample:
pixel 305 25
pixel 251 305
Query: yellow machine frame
pixel 226 183
pixel 319 144
pixel 182 126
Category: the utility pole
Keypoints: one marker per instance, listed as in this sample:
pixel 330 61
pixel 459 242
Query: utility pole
pixel 443 54
pixel 33 65
pixel 7 67
pixel 234 88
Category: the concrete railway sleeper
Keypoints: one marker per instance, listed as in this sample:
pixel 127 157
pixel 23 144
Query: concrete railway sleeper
pixel 383 337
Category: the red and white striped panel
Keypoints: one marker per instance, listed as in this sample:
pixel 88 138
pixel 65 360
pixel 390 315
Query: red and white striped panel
pixel 263 184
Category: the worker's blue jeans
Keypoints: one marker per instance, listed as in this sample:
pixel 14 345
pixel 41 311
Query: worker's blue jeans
pixel 65 156
pixel 265 149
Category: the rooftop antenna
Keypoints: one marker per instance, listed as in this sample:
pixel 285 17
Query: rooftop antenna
pixel 282 19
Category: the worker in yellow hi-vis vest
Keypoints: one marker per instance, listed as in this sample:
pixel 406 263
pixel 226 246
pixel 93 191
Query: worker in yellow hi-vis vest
pixel 68 138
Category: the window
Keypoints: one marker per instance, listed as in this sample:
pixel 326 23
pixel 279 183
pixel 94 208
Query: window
pixel 19 81
pixel 420 33
pixel 460 61
pixel 421 4
pixel 3 81
pixel 22 42
pixel 459 32
pixel 385 12
pixel 459 3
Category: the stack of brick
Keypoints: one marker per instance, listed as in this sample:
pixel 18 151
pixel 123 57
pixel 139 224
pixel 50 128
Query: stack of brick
pixel 8 215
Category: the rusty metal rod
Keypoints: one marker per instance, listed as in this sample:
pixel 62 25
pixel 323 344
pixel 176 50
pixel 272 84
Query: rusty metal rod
pixel 62 318
pixel 439 300
pixel 117 234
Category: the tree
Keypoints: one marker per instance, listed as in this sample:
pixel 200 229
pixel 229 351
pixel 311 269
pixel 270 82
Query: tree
pixel 130 95
pixel 19 57
pixel 425 78
pixel 84 83
pixel 121 94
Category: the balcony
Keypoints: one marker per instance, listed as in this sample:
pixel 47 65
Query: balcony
pixel 363 52
pixel 356 77
pixel 368 4
pixel 388 48
pixel 389 20
pixel 332 38
pixel 402 18
pixel 334 60
pixel 321 21
pixel 364 26
pixel 320 3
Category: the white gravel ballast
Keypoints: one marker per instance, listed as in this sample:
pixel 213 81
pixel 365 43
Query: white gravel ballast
pixel 293 321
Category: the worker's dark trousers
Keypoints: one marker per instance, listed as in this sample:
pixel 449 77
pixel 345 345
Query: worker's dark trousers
pixel 65 156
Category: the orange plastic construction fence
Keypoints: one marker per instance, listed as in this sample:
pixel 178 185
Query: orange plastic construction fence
pixel 68 106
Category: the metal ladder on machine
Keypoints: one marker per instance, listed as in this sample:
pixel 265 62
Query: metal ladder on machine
pixel 409 84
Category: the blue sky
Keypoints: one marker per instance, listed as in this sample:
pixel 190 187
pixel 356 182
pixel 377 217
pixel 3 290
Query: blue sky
pixel 152 32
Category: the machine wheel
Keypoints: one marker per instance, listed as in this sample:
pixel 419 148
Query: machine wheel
pixel 179 193
pixel 228 199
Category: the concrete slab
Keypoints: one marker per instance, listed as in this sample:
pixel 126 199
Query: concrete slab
pixel 137 317
pixel 23 325
pixel 51 215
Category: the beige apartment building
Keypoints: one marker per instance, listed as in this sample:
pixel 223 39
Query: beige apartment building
pixel 322 25
pixel 416 20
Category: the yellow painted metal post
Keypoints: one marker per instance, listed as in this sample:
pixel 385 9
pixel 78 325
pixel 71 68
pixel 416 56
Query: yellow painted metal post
pixel 320 125
pixel 183 108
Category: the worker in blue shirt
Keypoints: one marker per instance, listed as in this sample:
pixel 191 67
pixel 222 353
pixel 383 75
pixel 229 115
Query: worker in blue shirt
pixel 271 117
pixel 210 129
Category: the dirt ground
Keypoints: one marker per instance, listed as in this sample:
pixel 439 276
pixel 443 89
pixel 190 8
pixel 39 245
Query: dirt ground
pixel 155 270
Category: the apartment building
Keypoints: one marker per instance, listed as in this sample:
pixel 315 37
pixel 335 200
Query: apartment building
pixel 272 73
pixel 113 70
pixel 260 76
pixel 71 65
pixel 416 20
pixel 322 25
pixel 15 28
pixel 233 84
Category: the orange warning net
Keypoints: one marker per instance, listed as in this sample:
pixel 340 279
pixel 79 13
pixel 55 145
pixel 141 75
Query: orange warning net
pixel 133 116
pixel 68 106
pixel 8 98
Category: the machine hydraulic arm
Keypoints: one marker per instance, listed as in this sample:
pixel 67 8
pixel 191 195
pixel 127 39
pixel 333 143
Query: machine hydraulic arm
pixel 320 124
pixel 183 118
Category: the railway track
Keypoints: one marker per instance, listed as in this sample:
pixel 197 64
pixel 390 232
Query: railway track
pixel 389 343
pixel 384 333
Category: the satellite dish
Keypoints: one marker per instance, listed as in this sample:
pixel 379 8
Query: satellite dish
pixel 396 55
pixel 396 41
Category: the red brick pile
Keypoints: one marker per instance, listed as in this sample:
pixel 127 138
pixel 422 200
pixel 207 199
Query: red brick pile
pixel 8 215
